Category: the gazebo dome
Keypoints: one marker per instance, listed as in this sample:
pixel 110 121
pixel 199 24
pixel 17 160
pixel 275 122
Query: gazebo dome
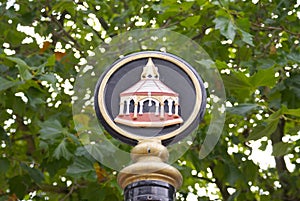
pixel 149 102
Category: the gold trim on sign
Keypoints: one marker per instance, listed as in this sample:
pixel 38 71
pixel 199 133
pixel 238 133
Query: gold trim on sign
pixel 185 68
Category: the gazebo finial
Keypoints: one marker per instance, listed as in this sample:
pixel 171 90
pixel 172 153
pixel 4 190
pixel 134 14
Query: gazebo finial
pixel 150 71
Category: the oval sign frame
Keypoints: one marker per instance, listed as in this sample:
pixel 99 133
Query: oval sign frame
pixel 169 134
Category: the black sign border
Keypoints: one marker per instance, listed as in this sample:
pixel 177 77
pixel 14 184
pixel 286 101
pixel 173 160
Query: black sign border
pixel 132 139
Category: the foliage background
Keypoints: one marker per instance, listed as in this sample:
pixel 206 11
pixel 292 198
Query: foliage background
pixel 255 45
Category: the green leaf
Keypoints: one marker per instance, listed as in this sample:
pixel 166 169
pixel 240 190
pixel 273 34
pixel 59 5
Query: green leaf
pixel 293 112
pixel 219 170
pixel 50 129
pixel 24 73
pixel 51 60
pixel 294 57
pixel 226 27
pixel 233 175
pixel 23 68
pixel 263 145
pixel 234 195
pixel 265 77
pixel 82 168
pixel 266 63
pixel 4 136
pixel 265 198
pixel 49 77
pixel 275 116
pixel 4 165
pixel 247 38
pixel 190 21
pixel 236 81
pixel 82 121
pixel 19 61
pixel 19 185
pixel 34 173
pixel 263 130
pixel 53 166
pixel 221 64
pixel 242 109
pixel 237 84
pixel 62 151
pixel 291 95
pixel 95 192
pixel 281 149
pixel 65 5
pixel 35 98
pixel 243 23
pixel 4 198
pixel 250 170
pixel 96 151
pixel 6 84
pixel 159 8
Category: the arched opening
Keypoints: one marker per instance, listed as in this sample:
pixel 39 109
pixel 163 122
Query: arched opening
pixel 166 106
pixel 149 106
pixel 131 106
pixel 169 107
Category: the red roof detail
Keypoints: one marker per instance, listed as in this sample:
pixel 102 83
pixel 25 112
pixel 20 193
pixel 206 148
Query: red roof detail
pixel 153 86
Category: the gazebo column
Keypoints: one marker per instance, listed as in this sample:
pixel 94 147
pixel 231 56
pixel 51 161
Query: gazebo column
pixel 127 106
pixel 157 108
pixel 141 108
pixel 162 111
pixel 135 110
pixel 176 110
pixel 121 112
pixel 170 107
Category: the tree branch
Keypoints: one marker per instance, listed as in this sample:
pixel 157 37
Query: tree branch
pixel 202 33
pixel 281 168
pixel 223 189
pixel 281 28
pixel 220 185
pixel 69 193
pixel 276 137
pixel 28 138
pixel 60 25
pixel 204 178
pixel 53 18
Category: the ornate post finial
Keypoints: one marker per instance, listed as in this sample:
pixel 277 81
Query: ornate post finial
pixel 150 71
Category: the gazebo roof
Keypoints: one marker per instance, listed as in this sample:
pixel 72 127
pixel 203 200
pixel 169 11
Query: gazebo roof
pixel 149 84
pixel 149 87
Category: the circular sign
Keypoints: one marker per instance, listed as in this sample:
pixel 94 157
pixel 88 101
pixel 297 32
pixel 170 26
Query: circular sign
pixel 152 95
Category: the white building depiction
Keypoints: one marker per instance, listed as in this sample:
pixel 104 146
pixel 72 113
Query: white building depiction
pixel 149 102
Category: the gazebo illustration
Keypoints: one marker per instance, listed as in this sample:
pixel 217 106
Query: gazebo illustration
pixel 149 102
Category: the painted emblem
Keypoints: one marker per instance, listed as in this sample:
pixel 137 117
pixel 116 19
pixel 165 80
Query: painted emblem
pixel 149 102
pixel 150 94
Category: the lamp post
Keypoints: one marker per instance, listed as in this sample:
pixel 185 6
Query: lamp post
pixel 150 100
pixel 149 177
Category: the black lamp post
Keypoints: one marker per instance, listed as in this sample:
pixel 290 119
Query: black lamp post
pixel 149 190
